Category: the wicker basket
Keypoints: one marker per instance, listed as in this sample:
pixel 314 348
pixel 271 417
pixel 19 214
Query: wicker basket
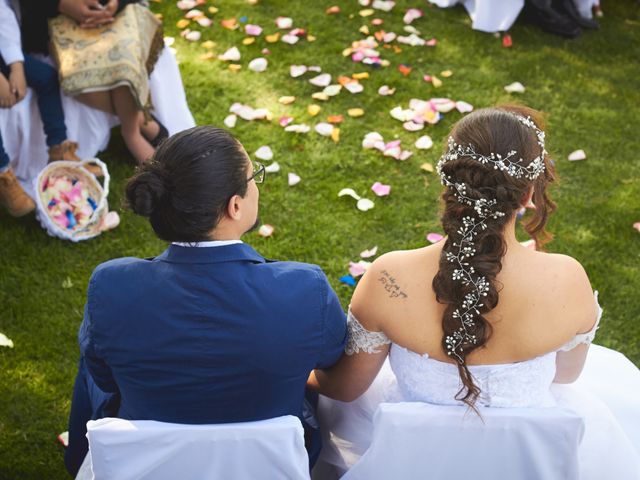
pixel 99 192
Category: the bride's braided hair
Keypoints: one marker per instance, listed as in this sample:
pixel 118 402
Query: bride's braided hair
pixel 472 185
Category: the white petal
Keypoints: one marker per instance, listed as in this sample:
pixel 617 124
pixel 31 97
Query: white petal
pixel 297 70
pixel 230 121
pixel 324 129
pixel 350 192
pixel 273 168
pixel 321 80
pixel 365 204
pixel 577 155
pixel 258 64
pixel 424 142
pixel 293 179
pixel 515 87
pixel 264 153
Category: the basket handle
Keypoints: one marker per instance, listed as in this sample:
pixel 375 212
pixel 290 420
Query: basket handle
pixel 106 179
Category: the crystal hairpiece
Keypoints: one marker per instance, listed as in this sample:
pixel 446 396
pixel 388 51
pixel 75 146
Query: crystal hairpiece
pixel 484 209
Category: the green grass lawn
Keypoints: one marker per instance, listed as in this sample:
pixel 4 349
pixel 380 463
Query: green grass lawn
pixel 589 89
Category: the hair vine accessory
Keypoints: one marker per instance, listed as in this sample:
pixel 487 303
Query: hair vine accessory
pixel 472 224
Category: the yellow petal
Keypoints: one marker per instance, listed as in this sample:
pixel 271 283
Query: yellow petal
pixel 311 38
pixel 427 167
pixel 335 135
pixel 207 56
pixel 367 12
pixel 183 23
pixel 360 76
pixel 209 45
pixel 248 40
pixel 272 38
pixel 355 112
pixel 286 100
pixel 234 67
pixel 446 73
pixel 436 81
pixel 347 51
pixel 364 29
pixel 313 110
pixel 213 10
pixel 320 96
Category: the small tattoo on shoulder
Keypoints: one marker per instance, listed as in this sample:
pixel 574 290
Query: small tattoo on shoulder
pixel 390 285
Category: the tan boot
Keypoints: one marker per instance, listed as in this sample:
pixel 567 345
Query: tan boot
pixel 67 151
pixel 13 197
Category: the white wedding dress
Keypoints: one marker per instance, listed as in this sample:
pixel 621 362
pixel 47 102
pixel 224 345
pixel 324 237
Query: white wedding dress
pixel 606 397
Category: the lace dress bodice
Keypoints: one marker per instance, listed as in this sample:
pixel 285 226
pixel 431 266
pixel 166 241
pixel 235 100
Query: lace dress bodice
pixel 424 379
pixel 523 384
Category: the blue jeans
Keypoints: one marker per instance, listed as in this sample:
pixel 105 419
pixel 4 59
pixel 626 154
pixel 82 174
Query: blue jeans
pixel 4 158
pixel 43 79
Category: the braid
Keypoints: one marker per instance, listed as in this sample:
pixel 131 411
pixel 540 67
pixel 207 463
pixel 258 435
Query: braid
pixel 485 188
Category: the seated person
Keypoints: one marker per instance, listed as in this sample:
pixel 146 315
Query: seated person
pixel 208 331
pixel 477 319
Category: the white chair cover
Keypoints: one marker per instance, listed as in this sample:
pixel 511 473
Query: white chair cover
pixel 145 449
pixel 500 15
pixel 23 135
pixel 433 442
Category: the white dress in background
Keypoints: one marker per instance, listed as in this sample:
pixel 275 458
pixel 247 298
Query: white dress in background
pixel 500 15
pixel 23 134
pixel 606 396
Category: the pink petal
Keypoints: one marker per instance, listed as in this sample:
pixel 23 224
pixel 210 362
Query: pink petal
pixel 356 269
pixel 369 253
pixel 284 120
pixel 432 42
pixel 253 30
pixel 380 189
pixel 434 237
pixel 637 226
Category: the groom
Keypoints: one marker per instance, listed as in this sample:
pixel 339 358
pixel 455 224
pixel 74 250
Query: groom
pixel 208 331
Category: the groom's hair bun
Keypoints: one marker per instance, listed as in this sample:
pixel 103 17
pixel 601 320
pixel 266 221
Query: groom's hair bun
pixel 185 187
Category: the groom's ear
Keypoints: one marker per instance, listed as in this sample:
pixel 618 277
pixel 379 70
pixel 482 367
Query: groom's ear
pixel 233 207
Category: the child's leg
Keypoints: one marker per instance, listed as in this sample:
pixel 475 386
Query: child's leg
pixel 44 80
pixel 129 116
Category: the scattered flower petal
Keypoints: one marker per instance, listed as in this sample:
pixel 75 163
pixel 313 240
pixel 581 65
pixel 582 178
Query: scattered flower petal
pixel 357 269
pixel 300 128
pixel 322 80
pixel 404 69
pixel 253 30
pixel 332 90
pixel 385 90
pixel 273 168
pixel 258 64
pixel 293 179
pixel 297 70
pixel 287 99
pixel 411 15
pixel 324 129
pixel 349 280
pixel 464 107
pixel 424 142
pixel 365 204
pixel 266 230
pixel 284 23
pixel 384 5
pixel 231 55
pixel 434 237
pixel 284 120
pixel 515 87
pixel 369 253
pixel 413 127
pixel 380 189
pixel 335 119
pixel 230 121
pixel 355 112
pixel 427 167
pixel 637 226
pixel 577 155
pixel 350 192
pixel 290 39
pixel 333 10
pixel 5 341
pixel 264 153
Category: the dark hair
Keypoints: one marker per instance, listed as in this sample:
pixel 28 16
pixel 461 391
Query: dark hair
pixel 491 130
pixel 185 188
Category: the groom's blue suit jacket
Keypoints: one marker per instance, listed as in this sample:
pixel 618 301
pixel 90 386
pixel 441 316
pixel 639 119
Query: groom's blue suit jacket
pixel 209 335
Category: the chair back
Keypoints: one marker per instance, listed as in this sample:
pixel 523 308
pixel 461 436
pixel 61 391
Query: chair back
pixel 144 449
pixel 435 442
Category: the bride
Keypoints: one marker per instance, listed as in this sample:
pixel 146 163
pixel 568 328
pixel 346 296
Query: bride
pixel 479 319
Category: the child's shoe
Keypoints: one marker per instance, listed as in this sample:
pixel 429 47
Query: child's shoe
pixel 13 197
pixel 67 151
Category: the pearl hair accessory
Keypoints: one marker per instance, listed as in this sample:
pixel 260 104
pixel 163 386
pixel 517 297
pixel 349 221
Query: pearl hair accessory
pixel 472 224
